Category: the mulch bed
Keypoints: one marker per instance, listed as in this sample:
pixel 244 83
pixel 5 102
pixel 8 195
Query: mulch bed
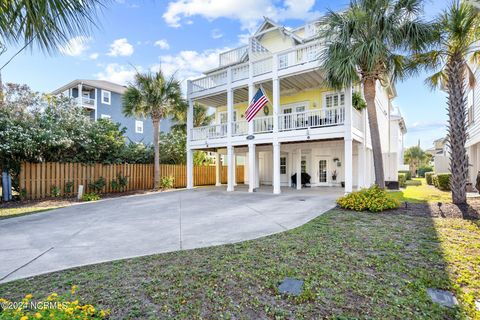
pixel 441 209
pixel 62 202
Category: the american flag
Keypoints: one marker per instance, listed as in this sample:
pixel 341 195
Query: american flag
pixel 257 103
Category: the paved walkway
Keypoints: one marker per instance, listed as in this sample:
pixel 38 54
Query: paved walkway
pixel 141 225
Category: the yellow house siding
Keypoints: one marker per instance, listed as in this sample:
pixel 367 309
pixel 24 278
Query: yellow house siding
pixel 275 41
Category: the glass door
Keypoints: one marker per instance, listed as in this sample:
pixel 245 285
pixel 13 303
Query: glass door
pixel 322 171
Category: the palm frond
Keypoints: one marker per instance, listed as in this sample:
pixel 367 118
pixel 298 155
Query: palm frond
pixel 437 81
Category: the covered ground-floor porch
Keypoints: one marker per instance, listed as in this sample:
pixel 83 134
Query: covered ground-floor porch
pixel 334 163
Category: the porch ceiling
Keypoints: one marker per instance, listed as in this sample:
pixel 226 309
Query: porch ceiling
pixel 288 86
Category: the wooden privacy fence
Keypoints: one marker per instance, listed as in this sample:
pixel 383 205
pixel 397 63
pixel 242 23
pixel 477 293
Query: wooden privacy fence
pixel 42 180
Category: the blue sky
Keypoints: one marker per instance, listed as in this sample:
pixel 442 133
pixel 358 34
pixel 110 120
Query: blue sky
pixel 186 36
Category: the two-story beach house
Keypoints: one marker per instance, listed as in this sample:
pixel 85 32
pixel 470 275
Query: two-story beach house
pixel 473 126
pixel 305 128
pixel 103 100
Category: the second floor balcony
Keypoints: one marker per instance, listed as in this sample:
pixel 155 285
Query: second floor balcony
pixel 310 119
pixel 85 102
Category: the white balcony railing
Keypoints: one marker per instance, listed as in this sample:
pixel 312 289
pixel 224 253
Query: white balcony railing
pixel 240 128
pixel 263 124
pixel 232 56
pixel 85 102
pixel 262 66
pixel 299 55
pixel 240 72
pixel 311 119
pixel 357 120
pixel 290 121
pixel 210 132
pixel 210 81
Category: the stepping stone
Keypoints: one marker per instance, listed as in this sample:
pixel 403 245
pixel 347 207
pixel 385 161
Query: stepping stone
pixel 291 286
pixel 477 304
pixel 442 297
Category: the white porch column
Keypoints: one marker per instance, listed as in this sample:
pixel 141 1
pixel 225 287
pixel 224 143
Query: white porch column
pixel 235 170
pixel 229 104
pixel 80 95
pixel 348 140
pixel 252 167
pixel 218 169
pixel 190 182
pixel 276 167
pixel 298 166
pixel 275 93
pixel 361 166
pixel 231 169
pixel 257 169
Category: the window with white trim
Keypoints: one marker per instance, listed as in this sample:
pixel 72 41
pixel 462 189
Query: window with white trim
pixel 138 126
pixel 283 165
pixel 105 116
pixel 303 164
pixel 336 99
pixel 106 97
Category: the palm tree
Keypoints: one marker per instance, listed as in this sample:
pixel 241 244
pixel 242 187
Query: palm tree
pixel 152 95
pixel 367 43
pixel 200 116
pixel 457 33
pixel 414 156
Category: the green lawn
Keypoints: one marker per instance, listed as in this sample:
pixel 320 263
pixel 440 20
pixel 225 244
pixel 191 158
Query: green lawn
pixel 355 265
pixel 13 212
pixel 423 193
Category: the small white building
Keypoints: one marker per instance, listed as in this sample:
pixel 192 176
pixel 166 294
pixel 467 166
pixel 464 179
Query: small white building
pixel 306 127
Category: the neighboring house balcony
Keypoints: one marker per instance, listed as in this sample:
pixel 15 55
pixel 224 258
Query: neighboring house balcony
pixel 87 103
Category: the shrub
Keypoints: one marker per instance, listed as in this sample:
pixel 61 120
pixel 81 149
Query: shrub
pixel 402 179
pixel 92 196
pixel 435 180
pixel 55 191
pixel 120 183
pixel 443 181
pixel 97 186
pixel 408 174
pixel 413 183
pixel 428 177
pixel 69 187
pixel 66 307
pixel 373 199
pixel 424 169
pixel 167 182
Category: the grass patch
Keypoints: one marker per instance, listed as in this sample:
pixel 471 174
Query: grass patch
pixel 421 193
pixel 360 265
pixel 21 211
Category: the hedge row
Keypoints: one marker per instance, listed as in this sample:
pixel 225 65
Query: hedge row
pixel 408 174
pixel 402 179
pixel 441 181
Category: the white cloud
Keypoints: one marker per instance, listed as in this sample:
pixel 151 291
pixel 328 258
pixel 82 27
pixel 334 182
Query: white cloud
pixel 248 12
pixel 120 47
pixel 76 46
pixel 216 34
pixel 117 73
pixel 162 44
pixel 94 56
pixel 189 64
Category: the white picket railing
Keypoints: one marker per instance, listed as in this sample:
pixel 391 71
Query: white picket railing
pixel 239 128
pixel 299 55
pixel 263 124
pixel 210 81
pixel 232 56
pixel 311 119
pixel 85 102
pixel 262 66
pixel 209 132
pixel 240 72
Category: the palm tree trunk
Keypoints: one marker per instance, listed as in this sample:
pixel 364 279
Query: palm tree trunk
pixel 369 92
pixel 457 128
pixel 156 148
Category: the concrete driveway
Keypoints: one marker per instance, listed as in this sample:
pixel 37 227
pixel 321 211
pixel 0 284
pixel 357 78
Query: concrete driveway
pixel 147 224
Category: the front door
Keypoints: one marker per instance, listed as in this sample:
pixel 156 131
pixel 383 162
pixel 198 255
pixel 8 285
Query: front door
pixel 322 173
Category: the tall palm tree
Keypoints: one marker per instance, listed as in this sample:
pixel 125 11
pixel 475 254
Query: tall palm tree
pixel 457 35
pixel 152 95
pixel 200 116
pixel 368 43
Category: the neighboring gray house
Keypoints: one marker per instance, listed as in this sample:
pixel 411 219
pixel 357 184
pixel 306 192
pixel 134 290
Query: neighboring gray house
pixel 103 99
